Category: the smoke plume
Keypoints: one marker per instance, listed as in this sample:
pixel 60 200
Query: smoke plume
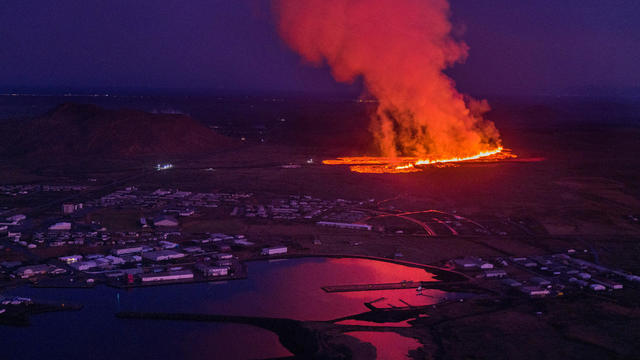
pixel 400 49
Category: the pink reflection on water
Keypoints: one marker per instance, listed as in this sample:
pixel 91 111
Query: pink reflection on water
pixel 292 288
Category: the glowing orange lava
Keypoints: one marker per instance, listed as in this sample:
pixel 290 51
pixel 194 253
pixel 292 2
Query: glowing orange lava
pixel 383 165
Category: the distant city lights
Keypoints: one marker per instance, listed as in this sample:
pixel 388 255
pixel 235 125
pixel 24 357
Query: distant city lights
pixel 161 167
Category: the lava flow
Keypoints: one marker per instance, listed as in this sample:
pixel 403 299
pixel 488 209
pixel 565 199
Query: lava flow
pixel 382 165
pixel 400 50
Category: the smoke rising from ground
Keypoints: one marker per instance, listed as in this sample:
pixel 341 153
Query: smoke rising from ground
pixel 400 49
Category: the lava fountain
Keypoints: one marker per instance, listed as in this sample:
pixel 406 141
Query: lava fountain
pixel 400 49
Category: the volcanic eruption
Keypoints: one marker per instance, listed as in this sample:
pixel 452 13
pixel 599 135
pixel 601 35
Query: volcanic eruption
pixel 400 49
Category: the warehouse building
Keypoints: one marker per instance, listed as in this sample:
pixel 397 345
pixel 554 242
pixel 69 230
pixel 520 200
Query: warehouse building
pixel 535 291
pixel 168 276
pixel 276 250
pixel 61 226
pixel 162 255
pixel 84 265
pixel 129 250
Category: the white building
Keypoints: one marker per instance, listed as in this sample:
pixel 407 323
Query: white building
pixel 345 225
pixel 167 244
pixel 162 255
pixel 276 250
pixel 84 265
pixel 168 276
pixel 608 283
pixel 61 226
pixel 486 265
pixel 535 291
pixel 129 250
pixel 208 270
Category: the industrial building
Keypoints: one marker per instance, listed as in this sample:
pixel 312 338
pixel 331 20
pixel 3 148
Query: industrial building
pixel 168 276
pixel 535 291
pixel 61 226
pixel 162 255
pixel 129 250
pixel 84 265
pixel 208 270
pixel 276 250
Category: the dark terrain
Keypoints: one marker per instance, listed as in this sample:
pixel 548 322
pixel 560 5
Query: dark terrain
pixel 583 195
pixel 89 131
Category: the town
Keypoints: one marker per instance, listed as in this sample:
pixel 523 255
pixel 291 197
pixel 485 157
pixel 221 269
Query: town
pixel 71 250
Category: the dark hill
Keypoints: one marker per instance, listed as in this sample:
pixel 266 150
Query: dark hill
pixel 89 130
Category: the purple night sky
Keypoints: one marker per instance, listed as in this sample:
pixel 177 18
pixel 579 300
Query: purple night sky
pixel 517 47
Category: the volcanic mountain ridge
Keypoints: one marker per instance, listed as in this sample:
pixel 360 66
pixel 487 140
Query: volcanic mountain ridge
pixel 88 130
